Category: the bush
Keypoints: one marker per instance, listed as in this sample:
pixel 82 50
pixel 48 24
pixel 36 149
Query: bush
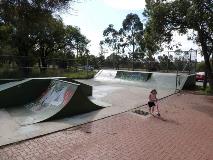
pixel 200 66
pixel 72 72
pixel 80 75
pixel 208 90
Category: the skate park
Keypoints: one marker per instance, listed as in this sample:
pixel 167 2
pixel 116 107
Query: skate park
pixel 39 106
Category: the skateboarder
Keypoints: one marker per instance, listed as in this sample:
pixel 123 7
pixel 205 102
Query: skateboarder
pixel 153 101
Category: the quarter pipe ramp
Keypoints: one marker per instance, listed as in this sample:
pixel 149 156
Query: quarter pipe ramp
pixel 60 99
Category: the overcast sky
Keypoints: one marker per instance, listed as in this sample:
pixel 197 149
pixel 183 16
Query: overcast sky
pixel 93 16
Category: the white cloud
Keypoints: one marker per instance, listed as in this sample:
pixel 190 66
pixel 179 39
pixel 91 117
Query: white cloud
pixel 94 44
pixel 186 45
pixel 126 4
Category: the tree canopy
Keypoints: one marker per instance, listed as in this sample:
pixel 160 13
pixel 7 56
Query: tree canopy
pixel 30 29
pixel 133 31
pixel 129 38
pixel 165 17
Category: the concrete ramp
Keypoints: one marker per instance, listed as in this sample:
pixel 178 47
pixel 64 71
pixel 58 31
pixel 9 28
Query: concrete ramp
pixel 105 75
pixel 22 92
pixel 151 80
pixel 166 81
pixel 59 100
pixel 3 81
pixel 122 74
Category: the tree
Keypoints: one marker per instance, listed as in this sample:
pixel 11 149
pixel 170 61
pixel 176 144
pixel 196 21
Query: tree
pixel 101 56
pixel 114 41
pixel 76 41
pixel 5 38
pixel 200 66
pixel 49 39
pixel 133 30
pixel 24 16
pixel 165 62
pixel 165 17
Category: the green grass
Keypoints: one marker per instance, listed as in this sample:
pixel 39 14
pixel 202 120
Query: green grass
pixel 80 75
pixel 206 91
pixel 6 73
pixel 209 91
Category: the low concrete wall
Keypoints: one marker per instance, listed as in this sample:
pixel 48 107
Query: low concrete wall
pixel 133 75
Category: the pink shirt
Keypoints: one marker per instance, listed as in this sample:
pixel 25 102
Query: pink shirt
pixel 152 97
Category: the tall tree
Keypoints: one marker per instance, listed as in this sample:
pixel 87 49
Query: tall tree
pixel 49 38
pixel 101 56
pixel 133 28
pixel 75 40
pixel 24 16
pixel 113 39
pixel 165 17
pixel 165 62
pixel 6 39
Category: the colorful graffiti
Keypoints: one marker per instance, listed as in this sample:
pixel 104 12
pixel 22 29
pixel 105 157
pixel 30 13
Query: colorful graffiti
pixel 57 95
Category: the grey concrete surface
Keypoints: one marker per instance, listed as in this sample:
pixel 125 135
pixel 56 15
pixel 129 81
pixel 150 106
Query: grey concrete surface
pixel 121 94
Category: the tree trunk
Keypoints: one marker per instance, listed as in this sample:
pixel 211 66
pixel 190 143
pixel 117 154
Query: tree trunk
pixel 208 68
pixel 43 60
pixel 24 62
pixel 43 64
pixel 210 79
pixel 133 49
pixel 205 81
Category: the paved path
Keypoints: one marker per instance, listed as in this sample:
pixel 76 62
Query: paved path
pixel 183 133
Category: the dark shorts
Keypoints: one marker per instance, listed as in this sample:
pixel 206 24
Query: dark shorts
pixel 151 104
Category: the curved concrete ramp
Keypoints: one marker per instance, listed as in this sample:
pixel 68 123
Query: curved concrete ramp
pixel 61 99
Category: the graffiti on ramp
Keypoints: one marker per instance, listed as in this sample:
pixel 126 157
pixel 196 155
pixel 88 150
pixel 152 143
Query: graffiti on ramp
pixel 57 95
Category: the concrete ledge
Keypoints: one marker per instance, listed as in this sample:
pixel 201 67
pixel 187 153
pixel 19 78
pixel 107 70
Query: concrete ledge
pixel 133 75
